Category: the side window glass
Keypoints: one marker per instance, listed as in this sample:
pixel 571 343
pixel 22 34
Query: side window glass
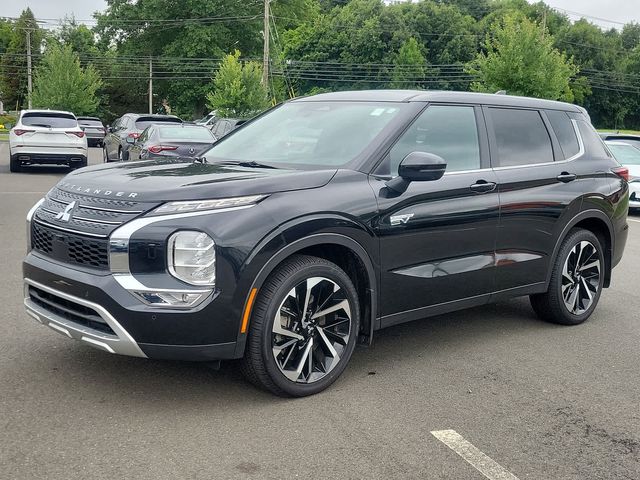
pixel 448 131
pixel 593 144
pixel 521 137
pixel 563 128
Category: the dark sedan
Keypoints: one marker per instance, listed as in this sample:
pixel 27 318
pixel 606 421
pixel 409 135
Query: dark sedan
pixel 129 127
pixel 93 129
pixel 162 140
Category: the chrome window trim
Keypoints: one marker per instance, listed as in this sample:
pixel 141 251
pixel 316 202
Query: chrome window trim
pixel 581 152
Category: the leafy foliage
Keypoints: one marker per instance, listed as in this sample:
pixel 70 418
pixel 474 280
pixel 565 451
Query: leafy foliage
pixel 13 64
pixel 61 83
pixel 410 66
pixel 237 88
pixel 520 58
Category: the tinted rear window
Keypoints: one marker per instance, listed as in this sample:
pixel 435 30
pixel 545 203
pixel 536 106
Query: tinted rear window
pixel 521 137
pixel 144 122
pixel 49 120
pixel 91 123
pixel 566 134
pixel 198 134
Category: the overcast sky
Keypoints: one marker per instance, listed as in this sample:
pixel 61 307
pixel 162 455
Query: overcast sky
pixel 608 11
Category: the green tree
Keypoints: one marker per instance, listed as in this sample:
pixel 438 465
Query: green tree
pixel 410 66
pixel 520 58
pixel 61 83
pixel 13 63
pixel 237 88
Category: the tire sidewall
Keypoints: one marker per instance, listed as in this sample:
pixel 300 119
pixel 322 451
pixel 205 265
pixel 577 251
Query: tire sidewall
pixel 321 270
pixel 571 242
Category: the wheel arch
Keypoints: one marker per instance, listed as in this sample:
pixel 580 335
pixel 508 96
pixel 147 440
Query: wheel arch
pixel 600 225
pixel 338 248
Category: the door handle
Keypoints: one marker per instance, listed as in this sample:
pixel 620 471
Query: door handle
pixel 482 186
pixel 566 177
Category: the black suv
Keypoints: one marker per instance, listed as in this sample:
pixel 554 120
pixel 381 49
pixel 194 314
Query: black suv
pixel 325 219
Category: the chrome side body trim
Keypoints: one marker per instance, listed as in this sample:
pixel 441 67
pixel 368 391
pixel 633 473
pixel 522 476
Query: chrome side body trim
pixel 119 241
pixel 121 343
pixel 29 219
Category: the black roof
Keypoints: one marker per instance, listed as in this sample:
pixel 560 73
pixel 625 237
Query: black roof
pixel 441 96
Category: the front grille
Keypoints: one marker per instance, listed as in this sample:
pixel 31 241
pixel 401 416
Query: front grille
pixel 71 311
pixel 70 248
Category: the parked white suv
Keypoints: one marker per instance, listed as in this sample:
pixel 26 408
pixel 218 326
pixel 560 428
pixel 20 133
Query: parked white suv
pixel 47 137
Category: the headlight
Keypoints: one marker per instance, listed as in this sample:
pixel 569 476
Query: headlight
pixel 192 257
pixel 199 205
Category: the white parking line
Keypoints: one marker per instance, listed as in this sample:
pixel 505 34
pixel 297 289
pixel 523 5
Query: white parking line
pixel 633 220
pixel 478 460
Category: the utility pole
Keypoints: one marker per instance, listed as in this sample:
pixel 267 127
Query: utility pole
pixel 150 85
pixel 29 84
pixel 265 57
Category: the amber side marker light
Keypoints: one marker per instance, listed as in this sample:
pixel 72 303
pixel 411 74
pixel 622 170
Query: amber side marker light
pixel 247 310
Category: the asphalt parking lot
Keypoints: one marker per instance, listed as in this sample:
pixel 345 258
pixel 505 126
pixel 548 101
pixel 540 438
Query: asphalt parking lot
pixel 543 401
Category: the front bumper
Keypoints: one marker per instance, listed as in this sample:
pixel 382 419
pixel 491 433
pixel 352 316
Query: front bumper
pixel 95 310
pixel 54 312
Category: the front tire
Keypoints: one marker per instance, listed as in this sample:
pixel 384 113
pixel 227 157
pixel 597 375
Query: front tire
pixel 576 282
pixel 303 329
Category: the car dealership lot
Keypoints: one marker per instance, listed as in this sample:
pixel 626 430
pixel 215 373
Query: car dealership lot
pixel 541 400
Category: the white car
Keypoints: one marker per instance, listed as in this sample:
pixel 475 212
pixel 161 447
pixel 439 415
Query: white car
pixel 47 137
pixel 629 157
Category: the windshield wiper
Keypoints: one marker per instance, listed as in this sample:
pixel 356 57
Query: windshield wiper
pixel 41 125
pixel 250 164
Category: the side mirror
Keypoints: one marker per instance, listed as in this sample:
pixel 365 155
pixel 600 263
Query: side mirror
pixel 131 140
pixel 417 167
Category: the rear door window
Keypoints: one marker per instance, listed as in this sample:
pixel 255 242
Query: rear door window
pixel 49 120
pixel 566 134
pixel 521 137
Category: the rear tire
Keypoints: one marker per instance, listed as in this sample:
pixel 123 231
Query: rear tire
pixel 576 282
pixel 15 166
pixel 123 155
pixel 303 329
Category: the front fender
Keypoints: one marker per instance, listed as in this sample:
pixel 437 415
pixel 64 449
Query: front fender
pixel 297 235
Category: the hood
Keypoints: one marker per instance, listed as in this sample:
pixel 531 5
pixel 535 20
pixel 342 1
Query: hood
pixel 180 179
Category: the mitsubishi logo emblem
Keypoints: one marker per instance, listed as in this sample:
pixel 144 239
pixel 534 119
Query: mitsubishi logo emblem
pixel 66 214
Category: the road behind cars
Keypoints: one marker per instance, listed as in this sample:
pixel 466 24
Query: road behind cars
pixel 544 401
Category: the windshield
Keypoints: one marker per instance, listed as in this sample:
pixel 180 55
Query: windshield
pixel 49 120
pixel 625 154
pixel 311 133
pixel 177 134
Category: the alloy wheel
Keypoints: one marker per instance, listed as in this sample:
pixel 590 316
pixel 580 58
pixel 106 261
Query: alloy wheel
pixel 581 277
pixel 311 330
